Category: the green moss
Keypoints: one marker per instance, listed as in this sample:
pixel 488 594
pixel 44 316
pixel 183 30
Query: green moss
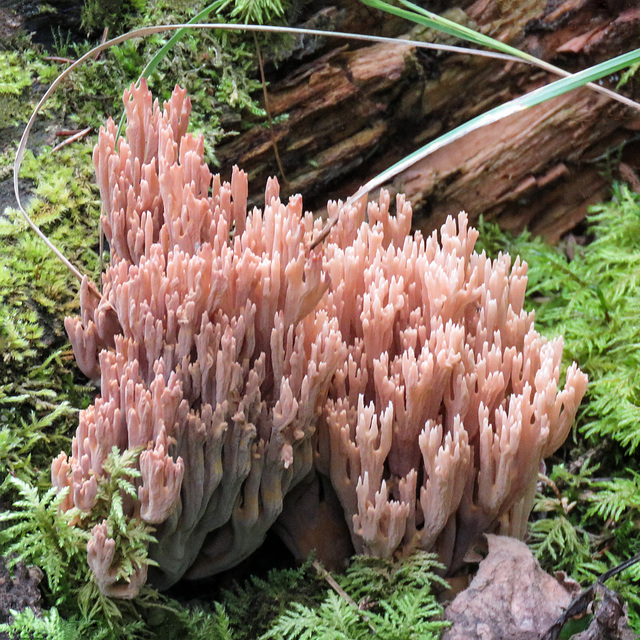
pixel 258 11
pixel 218 69
pixel 253 606
pixel 38 389
pixel 19 72
pixel 100 14
pixel 14 77
pixel 589 513
pixel 388 600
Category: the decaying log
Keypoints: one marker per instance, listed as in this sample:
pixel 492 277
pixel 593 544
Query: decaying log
pixel 351 111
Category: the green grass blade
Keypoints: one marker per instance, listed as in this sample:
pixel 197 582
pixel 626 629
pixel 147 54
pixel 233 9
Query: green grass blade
pixel 523 102
pixel 152 65
pixel 178 35
pixel 427 18
pixel 434 21
pixel 580 78
pixel 531 99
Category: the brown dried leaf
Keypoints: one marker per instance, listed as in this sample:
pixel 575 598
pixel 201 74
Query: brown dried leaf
pixel 510 597
pixel 610 620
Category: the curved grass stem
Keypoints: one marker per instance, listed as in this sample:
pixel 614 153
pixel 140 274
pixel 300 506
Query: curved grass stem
pixel 571 81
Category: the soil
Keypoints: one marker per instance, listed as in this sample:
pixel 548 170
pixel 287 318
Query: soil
pixel 18 590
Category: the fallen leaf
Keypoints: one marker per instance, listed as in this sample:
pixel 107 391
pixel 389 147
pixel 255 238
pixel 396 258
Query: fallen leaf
pixel 511 597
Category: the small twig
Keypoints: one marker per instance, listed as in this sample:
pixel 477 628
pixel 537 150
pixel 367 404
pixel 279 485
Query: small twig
pixel 59 59
pixel 63 133
pixel 550 483
pixel 72 138
pixel 105 33
pixel 564 503
pixel 324 232
pixel 274 142
pixel 323 573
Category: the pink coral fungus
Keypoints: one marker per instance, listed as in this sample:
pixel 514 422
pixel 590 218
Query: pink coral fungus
pixel 401 372
pixel 448 400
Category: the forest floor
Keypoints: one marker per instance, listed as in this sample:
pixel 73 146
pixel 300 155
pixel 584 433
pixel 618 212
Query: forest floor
pixel 588 510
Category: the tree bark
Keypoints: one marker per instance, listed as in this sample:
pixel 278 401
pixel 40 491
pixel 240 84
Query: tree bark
pixel 347 112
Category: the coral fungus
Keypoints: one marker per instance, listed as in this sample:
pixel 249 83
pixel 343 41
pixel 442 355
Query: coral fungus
pixel 400 371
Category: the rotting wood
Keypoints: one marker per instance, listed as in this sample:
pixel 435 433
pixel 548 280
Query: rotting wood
pixel 351 112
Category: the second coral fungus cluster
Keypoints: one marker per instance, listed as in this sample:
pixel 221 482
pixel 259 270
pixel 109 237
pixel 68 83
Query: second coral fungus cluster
pixel 399 373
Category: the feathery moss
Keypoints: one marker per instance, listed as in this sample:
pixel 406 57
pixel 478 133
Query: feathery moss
pixel 588 515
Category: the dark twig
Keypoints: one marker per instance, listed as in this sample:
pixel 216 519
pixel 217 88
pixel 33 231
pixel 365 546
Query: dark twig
pixel 105 34
pixel 580 603
pixel 324 232
pixel 274 142
pixel 59 59
pixel 77 135
pixel 323 573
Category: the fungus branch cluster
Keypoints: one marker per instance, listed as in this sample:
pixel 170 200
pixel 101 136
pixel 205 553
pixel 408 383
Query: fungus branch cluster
pixel 399 373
